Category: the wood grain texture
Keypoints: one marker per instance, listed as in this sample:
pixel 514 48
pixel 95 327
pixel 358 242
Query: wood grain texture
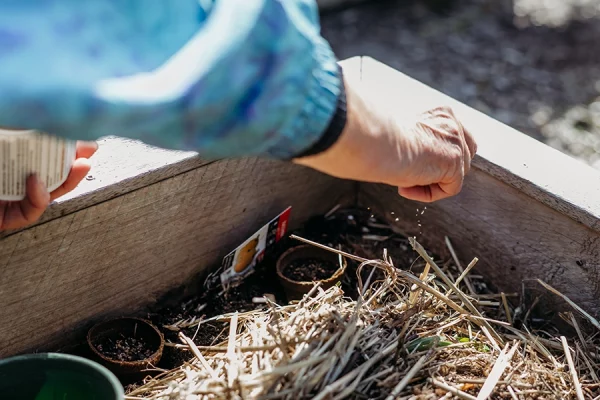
pixel 526 210
pixel 118 167
pixel 122 254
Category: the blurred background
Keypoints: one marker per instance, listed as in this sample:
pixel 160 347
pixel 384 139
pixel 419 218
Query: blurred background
pixel 532 64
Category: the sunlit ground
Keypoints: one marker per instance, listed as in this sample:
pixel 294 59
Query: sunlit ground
pixel 536 68
pixel 556 13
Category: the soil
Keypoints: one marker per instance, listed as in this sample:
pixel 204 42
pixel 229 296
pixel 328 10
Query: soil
pixel 124 348
pixel 344 230
pixel 356 231
pixel 309 270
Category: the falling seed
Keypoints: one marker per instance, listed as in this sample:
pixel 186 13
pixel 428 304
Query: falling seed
pixel 419 224
pixel 397 219
pixel 392 213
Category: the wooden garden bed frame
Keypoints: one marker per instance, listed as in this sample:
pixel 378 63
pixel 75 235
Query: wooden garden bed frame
pixel 149 221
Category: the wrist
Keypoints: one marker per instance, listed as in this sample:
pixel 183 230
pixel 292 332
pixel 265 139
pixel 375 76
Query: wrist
pixel 335 128
pixel 352 142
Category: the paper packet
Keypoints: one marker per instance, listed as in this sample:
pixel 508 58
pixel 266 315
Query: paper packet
pixel 26 152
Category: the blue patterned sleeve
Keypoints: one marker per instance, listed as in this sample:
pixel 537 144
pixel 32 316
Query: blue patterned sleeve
pixel 224 78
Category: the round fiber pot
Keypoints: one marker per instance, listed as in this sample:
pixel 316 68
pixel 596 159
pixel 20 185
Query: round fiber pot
pixel 126 346
pixel 53 376
pixel 300 257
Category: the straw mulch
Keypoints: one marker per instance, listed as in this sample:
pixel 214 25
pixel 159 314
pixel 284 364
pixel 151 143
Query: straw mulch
pixel 406 337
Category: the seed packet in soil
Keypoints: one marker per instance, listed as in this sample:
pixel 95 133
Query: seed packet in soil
pixel 240 263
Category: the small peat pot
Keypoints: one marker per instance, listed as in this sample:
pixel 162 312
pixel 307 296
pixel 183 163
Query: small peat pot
pixel 50 376
pixel 301 267
pixel 126 346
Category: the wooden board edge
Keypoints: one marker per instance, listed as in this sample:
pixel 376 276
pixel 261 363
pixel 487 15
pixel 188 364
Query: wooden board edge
pixel 514 249
pixel 545 174
pixel 119 166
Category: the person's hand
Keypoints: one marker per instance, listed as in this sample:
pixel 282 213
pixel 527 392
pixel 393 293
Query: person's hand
pixel 18 214
pixel 426 158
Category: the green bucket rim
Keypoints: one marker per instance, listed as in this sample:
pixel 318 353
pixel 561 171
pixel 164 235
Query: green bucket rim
pixel 105 372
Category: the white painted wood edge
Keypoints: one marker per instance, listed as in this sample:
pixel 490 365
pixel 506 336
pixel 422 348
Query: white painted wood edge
pixel 545 174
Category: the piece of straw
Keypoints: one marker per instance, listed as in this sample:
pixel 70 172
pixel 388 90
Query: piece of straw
pixel 506 308
pixel 452 389
pixel 572 369
pixel 463 272
pixel 593 320
pixel 501 363
pixel 409 376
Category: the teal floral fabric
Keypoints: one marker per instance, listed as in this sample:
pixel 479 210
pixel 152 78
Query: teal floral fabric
pixel 225 78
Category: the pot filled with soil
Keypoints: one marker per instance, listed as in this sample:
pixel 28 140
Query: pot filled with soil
pixel 301 267
pixel 53 376
pixel 126 346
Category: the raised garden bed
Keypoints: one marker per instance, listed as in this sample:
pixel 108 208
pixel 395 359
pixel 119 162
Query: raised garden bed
pixel 417 328
pixel 148 222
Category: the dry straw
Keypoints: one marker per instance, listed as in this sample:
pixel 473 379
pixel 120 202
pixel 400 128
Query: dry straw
pixel 406 337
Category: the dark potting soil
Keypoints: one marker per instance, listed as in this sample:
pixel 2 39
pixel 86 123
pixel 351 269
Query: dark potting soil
pixel 356 231
pixel 124 348
pixel 210 303
pixel 310 269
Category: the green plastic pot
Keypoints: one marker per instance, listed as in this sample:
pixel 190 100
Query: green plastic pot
pixel 53 376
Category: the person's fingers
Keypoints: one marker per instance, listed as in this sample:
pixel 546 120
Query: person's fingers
pixel 81 167
pixel 27 211
pixel 86 149
pixel 467 158
pixel 433 192
pixel 423 194
pixel 3 208
pixel 416 193
pixel 470 140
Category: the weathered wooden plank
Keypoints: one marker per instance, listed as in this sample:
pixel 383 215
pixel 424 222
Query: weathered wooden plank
pixel 527 211
pixel 122 254
pixel 118 167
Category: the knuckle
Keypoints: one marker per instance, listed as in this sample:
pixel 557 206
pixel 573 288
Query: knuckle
pixel 443 109
pixel 456 160
pixel 445 112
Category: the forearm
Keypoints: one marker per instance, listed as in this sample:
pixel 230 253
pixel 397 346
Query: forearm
pixel 251 77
